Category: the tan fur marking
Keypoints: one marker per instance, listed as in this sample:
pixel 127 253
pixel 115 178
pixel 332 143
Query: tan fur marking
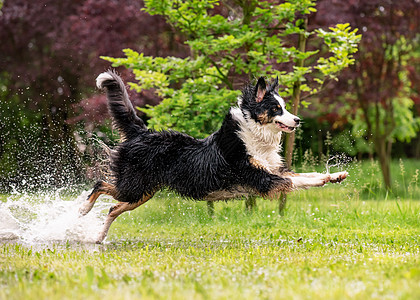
pixel 263 118
pixel 284 187
pixel 236 192
pixel 105 188
pixel 290 174
pixel 108 189
pixel 257 164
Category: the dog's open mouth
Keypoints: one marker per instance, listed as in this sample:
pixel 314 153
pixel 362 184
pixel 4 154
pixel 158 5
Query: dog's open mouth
pixel 284 127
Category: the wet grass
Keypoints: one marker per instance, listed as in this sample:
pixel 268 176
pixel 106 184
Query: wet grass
pixel 336 242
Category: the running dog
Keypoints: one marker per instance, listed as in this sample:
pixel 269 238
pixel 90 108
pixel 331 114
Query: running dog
pixel 241 159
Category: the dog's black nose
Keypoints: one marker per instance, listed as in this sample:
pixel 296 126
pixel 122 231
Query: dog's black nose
pixel 297 121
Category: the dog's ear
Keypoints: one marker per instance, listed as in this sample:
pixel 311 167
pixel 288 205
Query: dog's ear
pixel 275 85
pixel 261 89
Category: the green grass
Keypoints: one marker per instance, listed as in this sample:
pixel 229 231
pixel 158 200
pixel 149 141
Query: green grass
pixel 338 242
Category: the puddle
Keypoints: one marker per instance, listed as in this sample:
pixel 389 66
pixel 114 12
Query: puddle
pixel 50 218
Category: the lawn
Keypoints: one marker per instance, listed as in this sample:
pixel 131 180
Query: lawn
pixel 348 241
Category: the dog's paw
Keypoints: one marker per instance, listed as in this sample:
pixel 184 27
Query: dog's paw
pixel 327 178
pixel 100 238
pixel 338 176
pixel 85 208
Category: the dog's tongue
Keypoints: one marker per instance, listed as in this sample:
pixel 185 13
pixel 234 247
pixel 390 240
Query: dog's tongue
pixel 282 126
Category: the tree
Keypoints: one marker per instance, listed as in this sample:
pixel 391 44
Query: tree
pixel 230 43
pixel 376 89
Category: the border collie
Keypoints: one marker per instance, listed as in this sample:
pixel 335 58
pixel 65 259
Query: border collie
pixel 240 159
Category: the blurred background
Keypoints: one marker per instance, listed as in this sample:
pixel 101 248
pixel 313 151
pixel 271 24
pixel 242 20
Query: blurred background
pixel 52 119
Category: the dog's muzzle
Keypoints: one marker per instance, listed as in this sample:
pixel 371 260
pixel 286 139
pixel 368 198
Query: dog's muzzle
pixel 284 127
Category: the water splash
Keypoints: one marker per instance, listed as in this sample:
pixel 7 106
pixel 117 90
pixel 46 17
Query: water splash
pixel 50 218
pixel 338 161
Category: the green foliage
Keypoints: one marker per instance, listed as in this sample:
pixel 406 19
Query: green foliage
pixel 26 160
pixel 351 143
pixel 18 126
pixel 393 118
pixel 405 124
pixel 253 41
pixel 342 43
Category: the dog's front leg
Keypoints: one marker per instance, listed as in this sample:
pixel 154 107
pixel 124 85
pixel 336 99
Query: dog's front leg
pixel 335 177
pixel 301 182
pixel 307 180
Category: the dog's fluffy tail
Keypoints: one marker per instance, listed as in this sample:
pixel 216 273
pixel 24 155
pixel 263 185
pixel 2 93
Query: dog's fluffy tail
pixel 122 111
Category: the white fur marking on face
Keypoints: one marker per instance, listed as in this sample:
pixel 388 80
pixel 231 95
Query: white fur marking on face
pixel 286 118
pixel 280 100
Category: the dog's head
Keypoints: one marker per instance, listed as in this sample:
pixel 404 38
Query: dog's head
pixel 263 104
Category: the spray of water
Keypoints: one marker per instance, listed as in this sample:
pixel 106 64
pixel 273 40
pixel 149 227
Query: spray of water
pixel 49 218
pixel 338 161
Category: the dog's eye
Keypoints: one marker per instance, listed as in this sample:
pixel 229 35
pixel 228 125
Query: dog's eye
pixel 276 109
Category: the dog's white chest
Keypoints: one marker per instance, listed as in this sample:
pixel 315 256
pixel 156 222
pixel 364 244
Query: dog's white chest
pixel 268 160
pixel 262 143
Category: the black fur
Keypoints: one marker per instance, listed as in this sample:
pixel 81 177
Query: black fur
pixel 121 109
pixel 147 160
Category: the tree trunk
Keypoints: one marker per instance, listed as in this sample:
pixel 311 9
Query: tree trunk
pixel 210 208
pixel 382 150
pixel 282 203
pixel 250 203
pixel 290 138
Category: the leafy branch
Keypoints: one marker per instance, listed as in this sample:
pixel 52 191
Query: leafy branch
pixel 255 39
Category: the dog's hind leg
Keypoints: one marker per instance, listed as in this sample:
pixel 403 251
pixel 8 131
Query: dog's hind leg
pixel 100 188
pixel 117 210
